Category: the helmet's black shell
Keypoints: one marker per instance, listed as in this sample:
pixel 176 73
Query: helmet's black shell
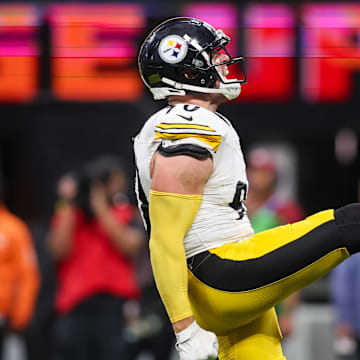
pixel 151 64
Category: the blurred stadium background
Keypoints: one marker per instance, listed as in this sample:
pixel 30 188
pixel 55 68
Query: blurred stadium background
pixel 69 90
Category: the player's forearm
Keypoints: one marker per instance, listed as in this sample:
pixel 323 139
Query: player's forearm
pixel 183 324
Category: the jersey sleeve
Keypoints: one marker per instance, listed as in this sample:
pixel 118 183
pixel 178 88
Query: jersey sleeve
pixel 199 127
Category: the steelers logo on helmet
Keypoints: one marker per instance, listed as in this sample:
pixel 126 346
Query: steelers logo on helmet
pixel 173 49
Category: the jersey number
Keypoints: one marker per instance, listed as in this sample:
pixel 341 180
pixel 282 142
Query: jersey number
pixel 239 198
pixel 189 108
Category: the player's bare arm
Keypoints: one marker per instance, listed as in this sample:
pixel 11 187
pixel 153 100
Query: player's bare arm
pixel 180 174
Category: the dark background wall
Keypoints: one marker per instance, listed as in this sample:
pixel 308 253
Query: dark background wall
pixel 39 142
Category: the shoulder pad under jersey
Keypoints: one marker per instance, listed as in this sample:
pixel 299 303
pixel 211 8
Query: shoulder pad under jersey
pixel 190 124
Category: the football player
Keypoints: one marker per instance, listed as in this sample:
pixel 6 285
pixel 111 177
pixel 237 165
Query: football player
pixel 218 281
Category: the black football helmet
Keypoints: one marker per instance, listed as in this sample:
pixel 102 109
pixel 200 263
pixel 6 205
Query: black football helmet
pixel 176 59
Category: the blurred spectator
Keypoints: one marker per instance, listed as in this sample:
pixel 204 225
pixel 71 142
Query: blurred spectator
pixel 266 210
pixel 93 238
pixel 345 296
pixel 263 173
pixel 39 335
pixel 19 275
pixel 148 327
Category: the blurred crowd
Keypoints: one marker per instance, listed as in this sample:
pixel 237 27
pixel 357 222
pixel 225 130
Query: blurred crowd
pixel 87 291
pixel 100 301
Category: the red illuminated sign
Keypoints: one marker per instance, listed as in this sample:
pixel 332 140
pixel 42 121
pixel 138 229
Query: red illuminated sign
pixel 223 16
pixel 269 46
pixel 270 52
pixel 18 52
pixel 331 51
pixel 94 51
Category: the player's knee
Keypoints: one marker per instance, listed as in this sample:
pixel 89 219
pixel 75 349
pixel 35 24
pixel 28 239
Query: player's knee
pixel 348 215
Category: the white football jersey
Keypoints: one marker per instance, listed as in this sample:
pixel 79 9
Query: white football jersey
pixel 222 215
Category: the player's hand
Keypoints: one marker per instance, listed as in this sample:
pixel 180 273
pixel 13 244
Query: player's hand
pixel 195 343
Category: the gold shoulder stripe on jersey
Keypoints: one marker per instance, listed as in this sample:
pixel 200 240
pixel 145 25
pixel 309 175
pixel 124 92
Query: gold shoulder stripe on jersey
pixel 167 126
pixel 213 140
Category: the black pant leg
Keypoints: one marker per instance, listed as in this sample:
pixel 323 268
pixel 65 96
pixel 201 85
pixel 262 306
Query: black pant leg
pixel 71 337
pixel 108 331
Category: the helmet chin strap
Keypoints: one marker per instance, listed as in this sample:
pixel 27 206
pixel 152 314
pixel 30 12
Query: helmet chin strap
pixel 163 92
pixel 229 90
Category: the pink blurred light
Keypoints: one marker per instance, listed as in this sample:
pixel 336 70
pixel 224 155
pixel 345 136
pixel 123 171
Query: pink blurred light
pixel 19 15
pixel 330 54
pixel 21 21
pixel 269 16
pixel 270 30
pixel 331 15
pixel 122 21
pixel 21 50
pixel 224 16
pixel 219 16
pixel 60 13
pixel 106 52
